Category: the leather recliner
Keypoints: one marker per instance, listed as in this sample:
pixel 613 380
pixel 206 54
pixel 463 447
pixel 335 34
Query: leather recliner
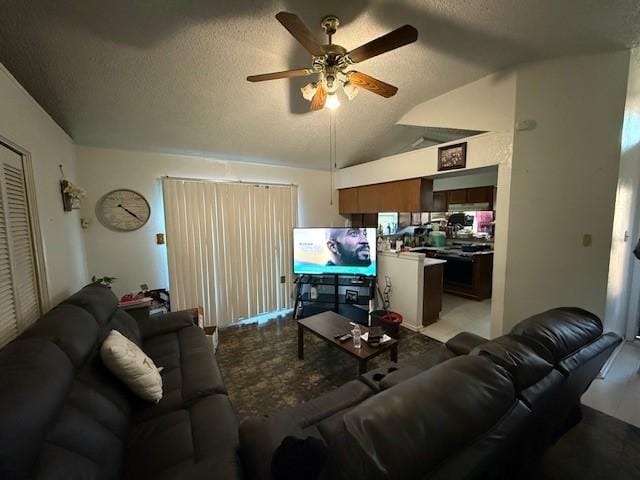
pixel 481 409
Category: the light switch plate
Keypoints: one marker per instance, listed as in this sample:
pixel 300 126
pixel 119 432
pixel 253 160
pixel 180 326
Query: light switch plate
pixel 586 240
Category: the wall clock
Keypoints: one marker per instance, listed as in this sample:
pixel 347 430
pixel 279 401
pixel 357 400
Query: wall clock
pixel 123 210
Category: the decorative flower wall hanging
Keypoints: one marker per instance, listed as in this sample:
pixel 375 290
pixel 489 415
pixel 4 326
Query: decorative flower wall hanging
pixel 71 194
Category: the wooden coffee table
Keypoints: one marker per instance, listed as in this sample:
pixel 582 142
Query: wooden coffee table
pixel 327 325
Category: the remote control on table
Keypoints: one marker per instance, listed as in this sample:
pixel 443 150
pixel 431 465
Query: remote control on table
pixel 343 338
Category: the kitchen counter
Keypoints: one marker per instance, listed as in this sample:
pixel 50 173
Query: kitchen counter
pixel 416 285
pixel 412 256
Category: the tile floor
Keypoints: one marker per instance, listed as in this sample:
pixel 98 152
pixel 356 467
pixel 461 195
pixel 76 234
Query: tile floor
pixel 618 394
pixel 460 315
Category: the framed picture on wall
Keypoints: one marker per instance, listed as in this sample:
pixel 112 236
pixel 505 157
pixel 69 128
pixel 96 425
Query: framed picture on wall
pixel 452 157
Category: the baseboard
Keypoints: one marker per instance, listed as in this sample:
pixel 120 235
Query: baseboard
pixel 411 327
pixel 607 365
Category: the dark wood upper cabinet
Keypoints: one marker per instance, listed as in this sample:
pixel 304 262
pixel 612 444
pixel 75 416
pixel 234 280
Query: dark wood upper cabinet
pixel 439 202
pixel 457 196
pixel 348 200
pixel 480 195
pixel 364 220
pixel 414 195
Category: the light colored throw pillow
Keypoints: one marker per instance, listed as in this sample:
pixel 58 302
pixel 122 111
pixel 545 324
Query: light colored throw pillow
pixel 132 366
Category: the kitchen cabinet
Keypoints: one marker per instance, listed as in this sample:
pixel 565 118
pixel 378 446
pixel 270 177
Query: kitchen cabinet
pixel 443 199
pixel 432 297
pixel 413 195
pixel 481 195
pixel 364 220
pixel 457 196
pixel 439 202
pixel 348 200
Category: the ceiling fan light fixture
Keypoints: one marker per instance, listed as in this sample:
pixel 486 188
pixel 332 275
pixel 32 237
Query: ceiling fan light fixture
pixel 332 101
pixel 308 91
pixel 350 90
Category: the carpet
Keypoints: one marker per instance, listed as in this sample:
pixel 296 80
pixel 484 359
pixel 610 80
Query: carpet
pixel 263 374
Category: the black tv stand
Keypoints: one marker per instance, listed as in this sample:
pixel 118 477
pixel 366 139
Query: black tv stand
pixel 357 311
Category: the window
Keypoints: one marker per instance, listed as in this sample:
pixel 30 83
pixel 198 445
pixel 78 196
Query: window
pixel 20 304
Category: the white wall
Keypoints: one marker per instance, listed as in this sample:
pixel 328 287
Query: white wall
pixel 134 257
pixel 23 122
pixel 622 293
pixel 484 150
pixel 487 104
pixel 563 183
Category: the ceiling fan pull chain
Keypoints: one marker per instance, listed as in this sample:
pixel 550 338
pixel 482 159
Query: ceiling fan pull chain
pixel 331 160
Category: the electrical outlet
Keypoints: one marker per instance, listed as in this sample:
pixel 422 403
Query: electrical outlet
pixel 160 238
pixel 586 240
pixel 283 279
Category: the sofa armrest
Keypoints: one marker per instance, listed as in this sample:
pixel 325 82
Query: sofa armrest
pixel 167 323
pixel 464 342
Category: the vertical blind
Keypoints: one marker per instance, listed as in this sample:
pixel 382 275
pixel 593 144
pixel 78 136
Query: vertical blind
pixel 229 247
pixel 19 299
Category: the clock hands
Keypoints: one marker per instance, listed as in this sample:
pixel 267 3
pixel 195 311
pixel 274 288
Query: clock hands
pixel 129 212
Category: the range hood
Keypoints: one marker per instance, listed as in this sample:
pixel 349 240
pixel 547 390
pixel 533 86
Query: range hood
pixel 468 207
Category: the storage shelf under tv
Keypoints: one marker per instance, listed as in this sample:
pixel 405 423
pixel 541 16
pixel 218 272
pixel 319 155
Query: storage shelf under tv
pixel 335 300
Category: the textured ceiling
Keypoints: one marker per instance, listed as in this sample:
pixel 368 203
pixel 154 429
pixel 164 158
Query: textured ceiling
pixel 169 76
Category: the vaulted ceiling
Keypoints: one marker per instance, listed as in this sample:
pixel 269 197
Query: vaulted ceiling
pixel 169 75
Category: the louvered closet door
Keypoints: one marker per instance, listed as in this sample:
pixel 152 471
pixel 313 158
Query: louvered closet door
pixel 19 300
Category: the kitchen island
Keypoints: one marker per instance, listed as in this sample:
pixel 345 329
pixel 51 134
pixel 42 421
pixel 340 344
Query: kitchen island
pixel 416 286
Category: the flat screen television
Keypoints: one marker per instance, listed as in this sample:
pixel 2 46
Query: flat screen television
pixel 345 251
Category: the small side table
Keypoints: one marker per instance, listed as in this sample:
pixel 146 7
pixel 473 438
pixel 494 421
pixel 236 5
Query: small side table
pixel 139 312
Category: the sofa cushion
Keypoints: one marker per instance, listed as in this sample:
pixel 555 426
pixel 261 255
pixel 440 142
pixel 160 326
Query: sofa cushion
pixel 132 366
pixel 190 370
pixel 127 326
pixel 561 330
pixel 327 404
pixel 79 446
pixel 198 442
pixel 95 375
pixel 407 430
pixel 464 342
pixel 96 299
pixel 71 328
pixel 526 360
pixel 167 323
pixel 35 378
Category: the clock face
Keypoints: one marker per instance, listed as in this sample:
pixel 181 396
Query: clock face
pixel 123 210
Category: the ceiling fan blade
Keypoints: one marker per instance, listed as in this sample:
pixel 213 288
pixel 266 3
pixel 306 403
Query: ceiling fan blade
pixel 392 40
pixel 374 85
pixel 317 102
pixel 301 33
pixel 301 72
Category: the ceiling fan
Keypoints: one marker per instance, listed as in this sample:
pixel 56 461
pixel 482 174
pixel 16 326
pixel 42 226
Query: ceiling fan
pixel 331 62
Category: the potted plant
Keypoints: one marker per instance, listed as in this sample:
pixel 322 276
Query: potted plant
pixel 105 281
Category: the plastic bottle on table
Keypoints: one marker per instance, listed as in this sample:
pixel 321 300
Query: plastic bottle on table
pixel 357 333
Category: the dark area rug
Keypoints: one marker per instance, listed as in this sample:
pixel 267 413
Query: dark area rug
pixel 262 372
pixel 600 447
